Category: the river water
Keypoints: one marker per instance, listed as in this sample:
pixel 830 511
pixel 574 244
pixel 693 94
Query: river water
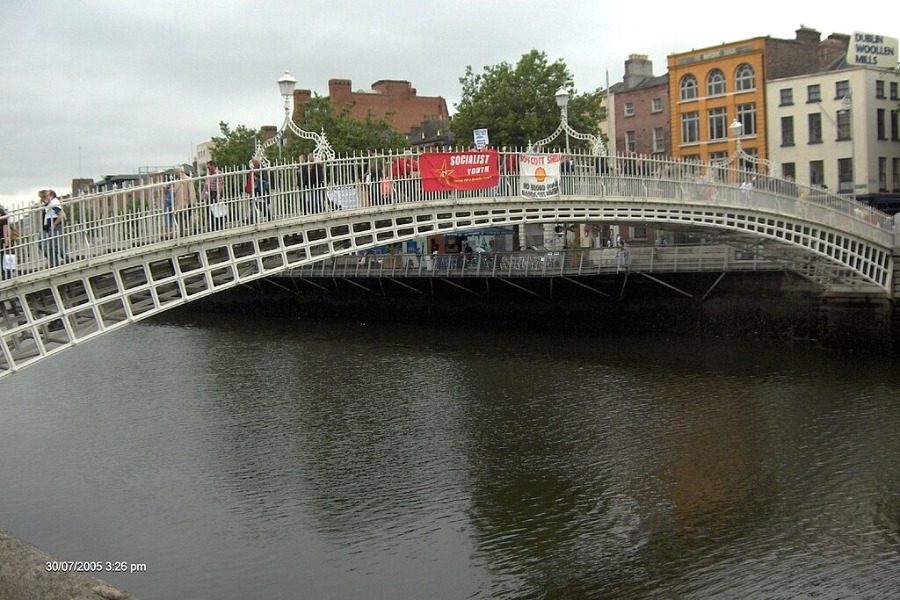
pixel 234 457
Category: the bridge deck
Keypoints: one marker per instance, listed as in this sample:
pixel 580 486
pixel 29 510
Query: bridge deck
pixel 130 254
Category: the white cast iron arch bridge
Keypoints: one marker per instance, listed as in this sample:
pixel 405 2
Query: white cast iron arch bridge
pixel 128 256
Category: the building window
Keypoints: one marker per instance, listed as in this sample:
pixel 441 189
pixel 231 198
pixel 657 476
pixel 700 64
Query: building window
pixel 744 78
pixel 896 162
pixel 715 83
pixel 894 95
pixel 882 174
pixel 816 173
pixel 895 129
pixel 688 87
pixel 659 139
pixel 879 124
pixel 787 97
pixel 815 128
pixel 789 171
pixel 718 157
pixel 879 89
pixel 841 89
pixel 845 176
pixel 656 105
pixel 746 114
pixel 630 142
pixel 718 126
pixel 843 125
pixel 813 93
pixel 690 128
pixel 787 131
pixel 629 109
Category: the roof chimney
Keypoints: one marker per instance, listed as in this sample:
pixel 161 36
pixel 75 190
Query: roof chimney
pixel 807 35
pixel 638 67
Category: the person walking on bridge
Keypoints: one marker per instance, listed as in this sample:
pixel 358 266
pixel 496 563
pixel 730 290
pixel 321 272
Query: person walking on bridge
pixel 184 196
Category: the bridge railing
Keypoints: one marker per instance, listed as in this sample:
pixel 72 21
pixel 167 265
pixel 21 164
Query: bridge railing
pixel 160 209
pixel 581 261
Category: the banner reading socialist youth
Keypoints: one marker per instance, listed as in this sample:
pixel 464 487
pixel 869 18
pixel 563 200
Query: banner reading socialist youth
pixel 445 171
pixel 539 175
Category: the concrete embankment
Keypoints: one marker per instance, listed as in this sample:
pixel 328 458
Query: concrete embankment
pixel 24 576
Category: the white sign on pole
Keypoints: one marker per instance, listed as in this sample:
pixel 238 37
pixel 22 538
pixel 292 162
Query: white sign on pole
pixel 481 138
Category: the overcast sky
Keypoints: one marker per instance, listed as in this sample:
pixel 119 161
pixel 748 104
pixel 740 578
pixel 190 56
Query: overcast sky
pixel 98 87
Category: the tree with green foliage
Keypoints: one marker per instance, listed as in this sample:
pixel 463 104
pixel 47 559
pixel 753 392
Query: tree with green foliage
pixel 517 104
pixel 234 147
pixel 346 134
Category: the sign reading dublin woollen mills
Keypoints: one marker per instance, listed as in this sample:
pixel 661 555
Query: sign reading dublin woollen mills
pixel 873 50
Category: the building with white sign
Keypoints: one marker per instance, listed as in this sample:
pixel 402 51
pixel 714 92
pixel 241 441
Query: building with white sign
pixel 838 128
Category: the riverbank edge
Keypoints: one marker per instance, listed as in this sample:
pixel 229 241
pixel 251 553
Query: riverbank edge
pixel 24 576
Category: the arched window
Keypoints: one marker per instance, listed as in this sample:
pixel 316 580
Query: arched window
pixel 688 87
pixel 744 78
pixel 715 83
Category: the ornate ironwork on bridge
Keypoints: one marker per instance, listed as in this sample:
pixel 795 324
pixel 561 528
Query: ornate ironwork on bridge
pixel 127 255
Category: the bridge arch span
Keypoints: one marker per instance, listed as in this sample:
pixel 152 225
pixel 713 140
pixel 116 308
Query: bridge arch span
pixel 47 310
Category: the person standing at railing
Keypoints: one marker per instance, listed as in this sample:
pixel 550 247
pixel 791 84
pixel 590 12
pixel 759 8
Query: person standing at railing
pixel 401 171
pixel 374 174
pixel 509 169
pixel 257 187
pixel 54 216
pixel 8 268
pixel 184 196
pixel 310 177
pixel 211 193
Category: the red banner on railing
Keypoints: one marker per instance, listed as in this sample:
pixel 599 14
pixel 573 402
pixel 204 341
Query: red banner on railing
pixel 444 171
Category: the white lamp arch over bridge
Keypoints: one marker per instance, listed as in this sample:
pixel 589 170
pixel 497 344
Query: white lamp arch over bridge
pixel 741 156
pixel 323 149
pixel 598 148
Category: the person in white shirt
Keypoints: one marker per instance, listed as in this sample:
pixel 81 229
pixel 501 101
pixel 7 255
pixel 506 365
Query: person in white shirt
pixel 54 216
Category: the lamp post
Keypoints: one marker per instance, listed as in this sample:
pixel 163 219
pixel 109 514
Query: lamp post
pixel 847 106
pixel 287 84
pixel 737 128
pixel 562 101
pixel 323 149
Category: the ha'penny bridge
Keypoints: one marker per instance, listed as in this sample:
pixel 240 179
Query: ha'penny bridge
pixel 126 256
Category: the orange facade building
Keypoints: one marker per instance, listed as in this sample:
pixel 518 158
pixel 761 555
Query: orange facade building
pixel 711 88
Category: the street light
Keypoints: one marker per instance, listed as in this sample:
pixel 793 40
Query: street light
pixel 323 149
pixel 287 84
pixel 562 101
pixel 737 128
pixel 847 106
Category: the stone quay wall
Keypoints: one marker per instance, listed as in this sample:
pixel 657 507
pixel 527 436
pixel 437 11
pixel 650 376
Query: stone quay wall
pixel 24 576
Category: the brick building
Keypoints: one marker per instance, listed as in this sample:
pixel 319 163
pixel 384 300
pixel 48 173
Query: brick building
pixel 640 107
pixel 395 101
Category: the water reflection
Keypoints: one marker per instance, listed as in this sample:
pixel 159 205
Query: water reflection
pixel 354 461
